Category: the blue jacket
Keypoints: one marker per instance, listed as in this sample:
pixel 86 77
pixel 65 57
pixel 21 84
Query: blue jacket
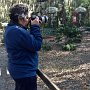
pixel 22 46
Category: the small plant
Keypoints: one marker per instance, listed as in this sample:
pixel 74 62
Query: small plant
pixel 74 40
pixel 69 47
pixel 73 35
pixel 59 33
pixel 46 46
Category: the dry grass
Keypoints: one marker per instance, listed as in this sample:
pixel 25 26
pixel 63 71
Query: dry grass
pixel 69 70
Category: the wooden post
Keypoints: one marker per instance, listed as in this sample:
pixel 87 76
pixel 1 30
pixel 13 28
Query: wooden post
pixel 47 81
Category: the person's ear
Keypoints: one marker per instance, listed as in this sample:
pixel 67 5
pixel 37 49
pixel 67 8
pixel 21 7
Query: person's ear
pixel 20 18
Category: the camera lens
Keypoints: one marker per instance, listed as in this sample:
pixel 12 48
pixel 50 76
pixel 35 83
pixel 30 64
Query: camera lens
pixel 44 18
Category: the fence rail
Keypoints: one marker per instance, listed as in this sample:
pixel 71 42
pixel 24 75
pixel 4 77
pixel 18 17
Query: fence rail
pixel 46 80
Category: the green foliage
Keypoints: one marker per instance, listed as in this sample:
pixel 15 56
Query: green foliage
pixel 59 34
pixel 47 32
pixel 46 46
pixel 58 38
pixel 69 47
pixel 74 40
pixel 69 32
pixel 73 35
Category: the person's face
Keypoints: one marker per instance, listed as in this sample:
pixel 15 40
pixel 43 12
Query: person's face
pixel 24 21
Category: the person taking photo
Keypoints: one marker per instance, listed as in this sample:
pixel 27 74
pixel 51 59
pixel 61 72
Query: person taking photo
pixel 22 45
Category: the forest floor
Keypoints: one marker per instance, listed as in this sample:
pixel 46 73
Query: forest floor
pixel 69 70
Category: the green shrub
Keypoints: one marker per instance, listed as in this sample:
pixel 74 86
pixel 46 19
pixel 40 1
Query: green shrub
pixel 69 47
pixel 74 40
pixel 46 46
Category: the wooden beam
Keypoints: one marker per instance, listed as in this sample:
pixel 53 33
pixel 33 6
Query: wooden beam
pixel 46 80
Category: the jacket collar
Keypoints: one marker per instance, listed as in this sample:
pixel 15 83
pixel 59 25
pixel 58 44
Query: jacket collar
pixel 17 24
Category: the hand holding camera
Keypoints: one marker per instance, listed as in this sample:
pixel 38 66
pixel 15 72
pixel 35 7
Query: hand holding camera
pixel 36 21
pixel 42 19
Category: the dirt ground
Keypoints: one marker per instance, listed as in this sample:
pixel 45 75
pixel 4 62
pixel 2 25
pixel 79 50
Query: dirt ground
pixel 68 70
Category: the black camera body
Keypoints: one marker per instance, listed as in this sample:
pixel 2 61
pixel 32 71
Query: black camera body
pixel 43 18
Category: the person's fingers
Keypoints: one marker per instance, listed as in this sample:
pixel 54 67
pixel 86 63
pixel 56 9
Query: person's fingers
pixel 35 21
pixel 37 18
pixel 40 21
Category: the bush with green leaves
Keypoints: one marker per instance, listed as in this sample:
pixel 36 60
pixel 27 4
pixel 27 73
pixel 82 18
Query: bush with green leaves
pixel 73 35
pixel 69 32
pixel 69 47
pixel 59 34
pixel 46 46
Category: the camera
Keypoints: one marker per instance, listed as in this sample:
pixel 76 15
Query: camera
pixel 43 18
